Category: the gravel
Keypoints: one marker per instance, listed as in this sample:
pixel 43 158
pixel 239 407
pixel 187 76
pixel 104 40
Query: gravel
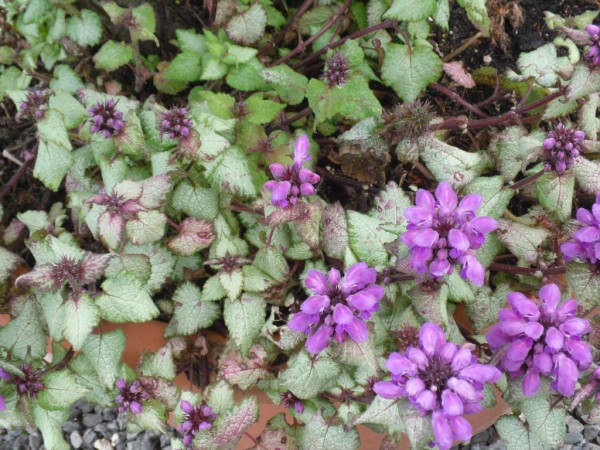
pixel 93 427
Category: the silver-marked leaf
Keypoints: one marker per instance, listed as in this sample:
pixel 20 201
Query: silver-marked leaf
pixel 288 84
pixel 385 412
pixel 231 173
pixel 367 238
pixel 125 300
pixel 515 436
pixel 23 335
pixel 514 149
pixel 411 10
pixel 555 193
pixel 418 428
pixel 245 372
pixel 113 55
pixel 545 421
pixel 104 353
pixel 154 191
pixel 191 312
pixel 583 82
pixel 198 202
pixel 230 426
pixel 110 228
pixel 585 282
pixel 81 316
pixel 147 227
pixel 495 196
pixel 306 377
pixel 159 364
pixel 60 391
pixel 194 235
pixel 136 265
pixel 50 424
pixel 8 263
pixel 587 174
pixel 86 29
pixel 522 240
pixel 244 319
pixel 335 230
pixel 320 434
pixel 248 26
pixel 389 206
pixel 52 163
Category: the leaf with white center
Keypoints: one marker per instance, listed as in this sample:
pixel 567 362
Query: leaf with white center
pixel 271 261
pixel 81 316
pixel 113 55
pixel 50 424
pixel 483 310
pixel 125 300
pixel 198 202
pixel 220 397
pixel 418 428
pixel 515 436
pixel 191 312
pixel 154 191
pixel 244 319
pixel 161 261
pixel 147 227
pixel 385 412
pixel 64 78
pixel 245 373
pixel 451 164
pixel 231 173
pixel 587 117
pixel 459 290
pixel 367 238
pixel 8 263
pixel 153 417
pixel 110 229
pixel 104 351
pixel 409 73
pixel 288 84
pixel 359 354
pixel 431 303
pixel 495 196
pixel 86 29
pixel 587 174
pixel 583 82
pixel 136 265
pixel 545 421
pixel 308 224
pixel 52 164
pixel 60 391
pixel 411 10
pixel 585 283
pixel 514 149
pixel 390 204
pixel 159 364
pixel 231 425
pixel 212 290
pixel 555 193
pixel 73 111
pixel 522 240
pixel 54 313
pixel 540 64
pixel 23 335
pixel 320 434
pixel 194 235
pixel 335 230
pixel 232 281
pixel 248 26
pixel 306 377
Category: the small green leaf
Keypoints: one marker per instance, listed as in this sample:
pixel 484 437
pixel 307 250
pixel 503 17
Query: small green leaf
pixel 104 353
pixel 159 364
pixel 23 335
pixel 411 10
pixel 232 281
pixel 86 29
pixel 230 172
pixel 191 41
pixel 185 67
pixel 113 55
pixel 585 282
pixel 288 84
pixel 64 78
pixel 198 202
pixel 191 312
pixel 262 111
pixel 145 23
pixel 220 397
pixel 514 149
pixel 367 238
pixel 495 196
pixel 477 14
pixel 125 300
pixel 147 227
pixel 306 376
pixel 555 193
pixel 81 316
pixel 74 113
pixel 409 73
pixel 248 26
pixel 244 319
pixel 320 434
pixel 60 391
pixel 50 424
pixel 523 241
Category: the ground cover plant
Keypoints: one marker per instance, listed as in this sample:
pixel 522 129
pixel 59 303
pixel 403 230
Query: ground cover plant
pixel 383 225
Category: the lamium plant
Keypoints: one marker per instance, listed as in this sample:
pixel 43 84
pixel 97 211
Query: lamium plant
pixel 323 205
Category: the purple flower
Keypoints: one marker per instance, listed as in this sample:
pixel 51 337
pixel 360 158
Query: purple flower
pixel 561 147
pixel 131 396
pixel 440 378
pixel 337 69
pixel 2 404
pixel 293 182
pixel 288 400
pixel 199 417
pixel 176 123
pixel 35 105
pixel 442 233
pixel 338 306
pixel 31 384
pixel 106 119
pixel 4 375
pixel 542 340
pixel 593 54
pixel 585 244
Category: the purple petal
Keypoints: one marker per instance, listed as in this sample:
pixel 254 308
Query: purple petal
pixel 186 407
pixel 388 389
pixel 308 176
pixel 519 349
pixel 417 356
pixel 315 304
pixel 307 189
pixel 484 224
pixel 442 431
pixel 587 234
pixel 473 271
pixel 580 352
pixel 301 150
pixel 534 330
pixel 2 404
pixel 458 239
pixel 357 330
pixel 334 276
pixel 525 307
pixel 567 310
pixel 431 336
pixel 426 400
pixel 470 203
pixel 585 216
pixel 446 196
pixel 135 407
pixel 425 199
pixel 415 386
pixel 575 327
pixel 281 191
pixel 496 337
pixel 482 373
pixel 342 314
pixel 301 322
pixel 542 362
pixel 426 237
pixel 461 428
pixel 366 299
pixel 554 339
pixel 463 388
pixel 357 277
pixel 319 340
pixel 566 376
pixel 462 359
pixel 452 404
pixel 316 282
pixel 277 170
pixel 399 365
pixel 550 297
pixel 419 216
pixel 531 382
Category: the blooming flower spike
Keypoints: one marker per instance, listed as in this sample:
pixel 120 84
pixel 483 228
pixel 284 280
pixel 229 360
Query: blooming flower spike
pixel 131 396
pixel 542 340
pixel 106 119
pixel 293 182
pixel 593 54
pixel 175 124
pixel 442 379
pixel 443 232
pixel 585 244
pixel 339 306
pixel 561 147
pixel 198 417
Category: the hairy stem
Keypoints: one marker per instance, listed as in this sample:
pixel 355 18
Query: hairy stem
pixel 458 99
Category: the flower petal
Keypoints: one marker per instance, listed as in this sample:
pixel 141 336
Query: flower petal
pixel 316 282
pixel 388 389
pixel 431 336
pixel 342 314
pixel 319 340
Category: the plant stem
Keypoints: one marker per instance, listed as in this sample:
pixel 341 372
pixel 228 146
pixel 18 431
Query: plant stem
pixel 314 37
pixel 305 112
pixel 390 23
pixel 305 6
pixel 17 176
pixel 499 267
pixel 527 181
pixel 458 99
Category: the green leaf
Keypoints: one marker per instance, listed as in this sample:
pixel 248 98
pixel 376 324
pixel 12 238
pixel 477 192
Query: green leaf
pixel 514 149
pixel 50 424
pixel 587 174
pixel 389 206
pixel 13 78
pixel 383 412
pixel 198 202
pixel 288 84
pixel 190 41
pixel 230 172
pixel 147 227
pixel 52 163
pixel 477 14
pixel 185 67
pixel 191 312
pixel 367 238
pixel 64 78
pixel 145 23
pixel 320 434
pixel 73 111
pixel 495 196
pixel 515 436
pixel 585 283
pixel 540 64
pixel 136 265
pixel 451 164
pixel 545 421
pixel 410 73
pixel 431 303
pixel 23 335
pixel 335 230
pixel 522 240
pixel 306 376
pixel 8 263
pixel 212 290
pixel 60 391
pixel 248 26
pixel 244 319
pixel 359 354
pixel 104 351
pixel 81 316
pixel 262 111
pixel 86 29
pixel 354 100
pixel 159 364
pixel 125 300
pixel 411 10
pixel 583 82
pixel 555 192
pixel 232 281
pixel 220 397
pixel 113 55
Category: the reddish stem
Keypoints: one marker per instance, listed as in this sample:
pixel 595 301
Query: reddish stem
pixel 458 99
pixel 17 176
pixel 499 267
pixel 527 181
pixel 305 112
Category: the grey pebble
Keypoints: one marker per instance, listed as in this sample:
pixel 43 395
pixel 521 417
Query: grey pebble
pixel 151 441
pixel 591 432
pixel 69 427
pixel 482 437
pixel 76 440
pixel 573 438
pixel 91 420
pixel 574 425
pixel 592 446
pixel 498 445
pixel 110 414
pixel 89 437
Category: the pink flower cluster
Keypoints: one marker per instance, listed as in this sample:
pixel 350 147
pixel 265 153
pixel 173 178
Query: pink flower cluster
pixel 585 244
